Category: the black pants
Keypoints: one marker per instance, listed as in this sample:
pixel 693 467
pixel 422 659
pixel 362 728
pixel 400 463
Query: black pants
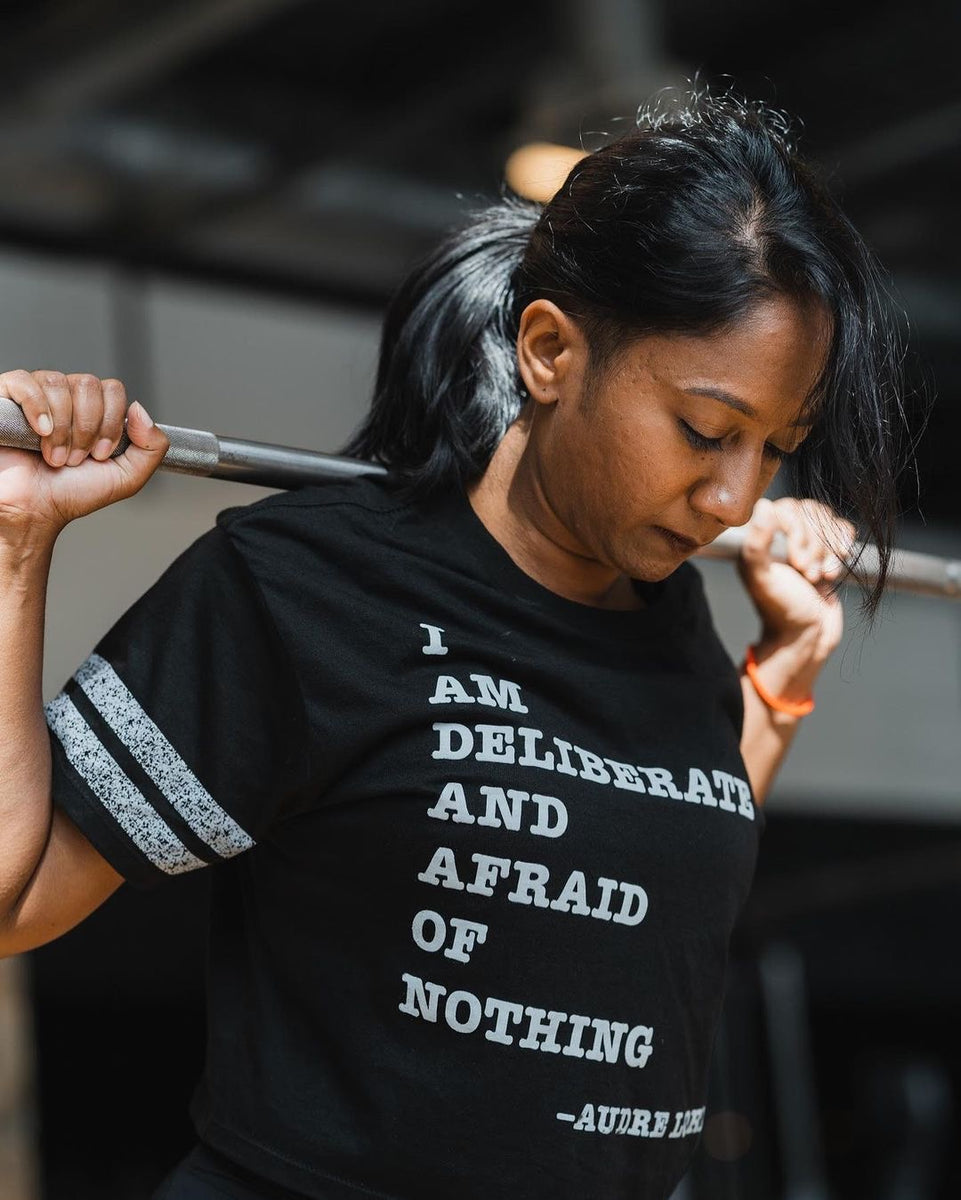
pixel 206 1175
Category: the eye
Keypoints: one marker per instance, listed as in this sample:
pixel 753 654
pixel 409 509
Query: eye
pixel 698 440
pixel 777 453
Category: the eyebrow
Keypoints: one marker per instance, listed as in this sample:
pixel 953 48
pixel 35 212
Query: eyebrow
pixel 735 402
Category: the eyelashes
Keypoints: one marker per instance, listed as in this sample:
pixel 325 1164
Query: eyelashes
pixel 700 442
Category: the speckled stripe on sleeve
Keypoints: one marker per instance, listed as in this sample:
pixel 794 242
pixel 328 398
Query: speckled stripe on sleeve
pixel 114 701
pixel 120 797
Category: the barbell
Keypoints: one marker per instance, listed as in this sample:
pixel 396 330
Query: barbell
pixel 212 456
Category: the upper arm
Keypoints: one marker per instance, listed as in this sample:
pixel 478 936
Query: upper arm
pixel 70 881
pixel 176 744
pixel 179 741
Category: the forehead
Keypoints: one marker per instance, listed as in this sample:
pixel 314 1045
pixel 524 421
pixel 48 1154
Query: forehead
pixel 771 359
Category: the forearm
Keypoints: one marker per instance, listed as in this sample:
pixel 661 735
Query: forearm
pixel 788 671
pixel 25 807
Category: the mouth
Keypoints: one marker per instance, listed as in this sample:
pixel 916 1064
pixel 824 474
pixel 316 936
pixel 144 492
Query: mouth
pixel 678 540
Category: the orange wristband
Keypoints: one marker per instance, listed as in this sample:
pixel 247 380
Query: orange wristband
pixel 793 708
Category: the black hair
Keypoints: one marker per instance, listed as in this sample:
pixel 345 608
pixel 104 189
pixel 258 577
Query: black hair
pixel 684 224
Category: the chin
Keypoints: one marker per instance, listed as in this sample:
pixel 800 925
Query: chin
pixel 652 570
pixel 657 559
pixel 660 576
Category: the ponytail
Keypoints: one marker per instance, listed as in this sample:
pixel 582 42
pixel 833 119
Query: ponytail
pixel 447 381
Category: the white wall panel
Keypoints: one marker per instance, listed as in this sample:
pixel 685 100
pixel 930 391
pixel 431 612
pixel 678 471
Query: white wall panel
pixel 254 367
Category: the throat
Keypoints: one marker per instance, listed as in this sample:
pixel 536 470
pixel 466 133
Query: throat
pixel 624 596
pixel 552 565
pixel 511 504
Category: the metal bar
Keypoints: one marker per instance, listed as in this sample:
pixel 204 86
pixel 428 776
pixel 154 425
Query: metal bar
pixel 283 466
pixel 909 571
pixel 198 452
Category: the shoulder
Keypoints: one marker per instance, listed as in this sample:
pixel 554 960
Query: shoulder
pixel 685 608
pixel 314 515
pixel 699 629
pixel 376 494
pixel 359 532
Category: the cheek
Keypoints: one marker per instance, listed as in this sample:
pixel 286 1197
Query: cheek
pixel 618 463
pixel 654 468
pixel 572 475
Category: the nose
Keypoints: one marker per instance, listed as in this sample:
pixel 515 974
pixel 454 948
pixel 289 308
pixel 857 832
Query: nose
pixel 731 490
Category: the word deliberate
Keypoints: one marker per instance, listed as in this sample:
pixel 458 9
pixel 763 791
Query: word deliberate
pixel 520 746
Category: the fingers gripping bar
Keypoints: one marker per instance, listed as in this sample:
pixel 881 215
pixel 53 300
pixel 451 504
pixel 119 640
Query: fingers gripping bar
pixel 197 452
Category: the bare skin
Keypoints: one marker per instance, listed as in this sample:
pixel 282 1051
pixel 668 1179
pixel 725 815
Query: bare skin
pixel 584 485
pixel 50 875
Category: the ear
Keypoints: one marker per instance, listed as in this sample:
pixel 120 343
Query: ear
pixel 551 352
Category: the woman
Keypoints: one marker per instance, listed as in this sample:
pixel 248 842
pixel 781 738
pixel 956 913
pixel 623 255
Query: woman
pixel 479 777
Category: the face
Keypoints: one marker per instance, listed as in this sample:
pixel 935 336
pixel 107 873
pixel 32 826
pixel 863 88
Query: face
pixel 675 442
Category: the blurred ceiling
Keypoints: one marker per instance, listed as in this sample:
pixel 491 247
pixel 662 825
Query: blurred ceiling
pixel 320 147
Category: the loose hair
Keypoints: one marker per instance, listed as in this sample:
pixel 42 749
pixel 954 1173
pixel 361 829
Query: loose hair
pixel 685 224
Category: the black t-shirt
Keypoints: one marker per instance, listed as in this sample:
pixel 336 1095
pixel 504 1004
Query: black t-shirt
pixel 479 848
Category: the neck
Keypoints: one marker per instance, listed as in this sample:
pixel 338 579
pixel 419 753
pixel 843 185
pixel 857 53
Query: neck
pixel 511 503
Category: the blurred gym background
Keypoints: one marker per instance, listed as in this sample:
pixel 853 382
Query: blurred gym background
pixel 213 199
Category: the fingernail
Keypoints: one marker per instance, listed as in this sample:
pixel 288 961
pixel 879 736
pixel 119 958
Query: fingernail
pixel 103 448
pixel 58 456
pixel 76 458
pixel 142 412
pixel 45 424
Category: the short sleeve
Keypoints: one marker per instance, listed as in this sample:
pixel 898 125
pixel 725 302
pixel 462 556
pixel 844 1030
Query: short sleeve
pixel 182 738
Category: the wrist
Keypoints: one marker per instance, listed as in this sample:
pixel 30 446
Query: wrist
pixel 790 667
pixel 25 552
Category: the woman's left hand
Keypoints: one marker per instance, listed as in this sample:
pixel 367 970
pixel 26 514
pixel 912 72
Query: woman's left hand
pixel 794 599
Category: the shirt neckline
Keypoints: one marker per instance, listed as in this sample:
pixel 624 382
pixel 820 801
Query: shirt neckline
pixel 663 600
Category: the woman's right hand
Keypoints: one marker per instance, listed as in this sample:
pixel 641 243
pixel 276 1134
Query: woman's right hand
pixel 80 420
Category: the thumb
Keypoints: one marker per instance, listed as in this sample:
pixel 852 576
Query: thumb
pixel 147 445
pixel 143 433
pixel 759 535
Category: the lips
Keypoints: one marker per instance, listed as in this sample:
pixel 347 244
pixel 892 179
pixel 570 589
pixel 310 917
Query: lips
pixel 679 538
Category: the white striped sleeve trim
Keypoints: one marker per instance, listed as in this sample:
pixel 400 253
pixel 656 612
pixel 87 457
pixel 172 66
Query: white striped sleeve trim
pixel 114 701
pixel 126 803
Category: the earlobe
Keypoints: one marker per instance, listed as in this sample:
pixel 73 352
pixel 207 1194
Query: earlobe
pixel 546 346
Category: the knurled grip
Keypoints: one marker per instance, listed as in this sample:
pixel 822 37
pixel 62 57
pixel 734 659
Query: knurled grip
pixel 194 451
